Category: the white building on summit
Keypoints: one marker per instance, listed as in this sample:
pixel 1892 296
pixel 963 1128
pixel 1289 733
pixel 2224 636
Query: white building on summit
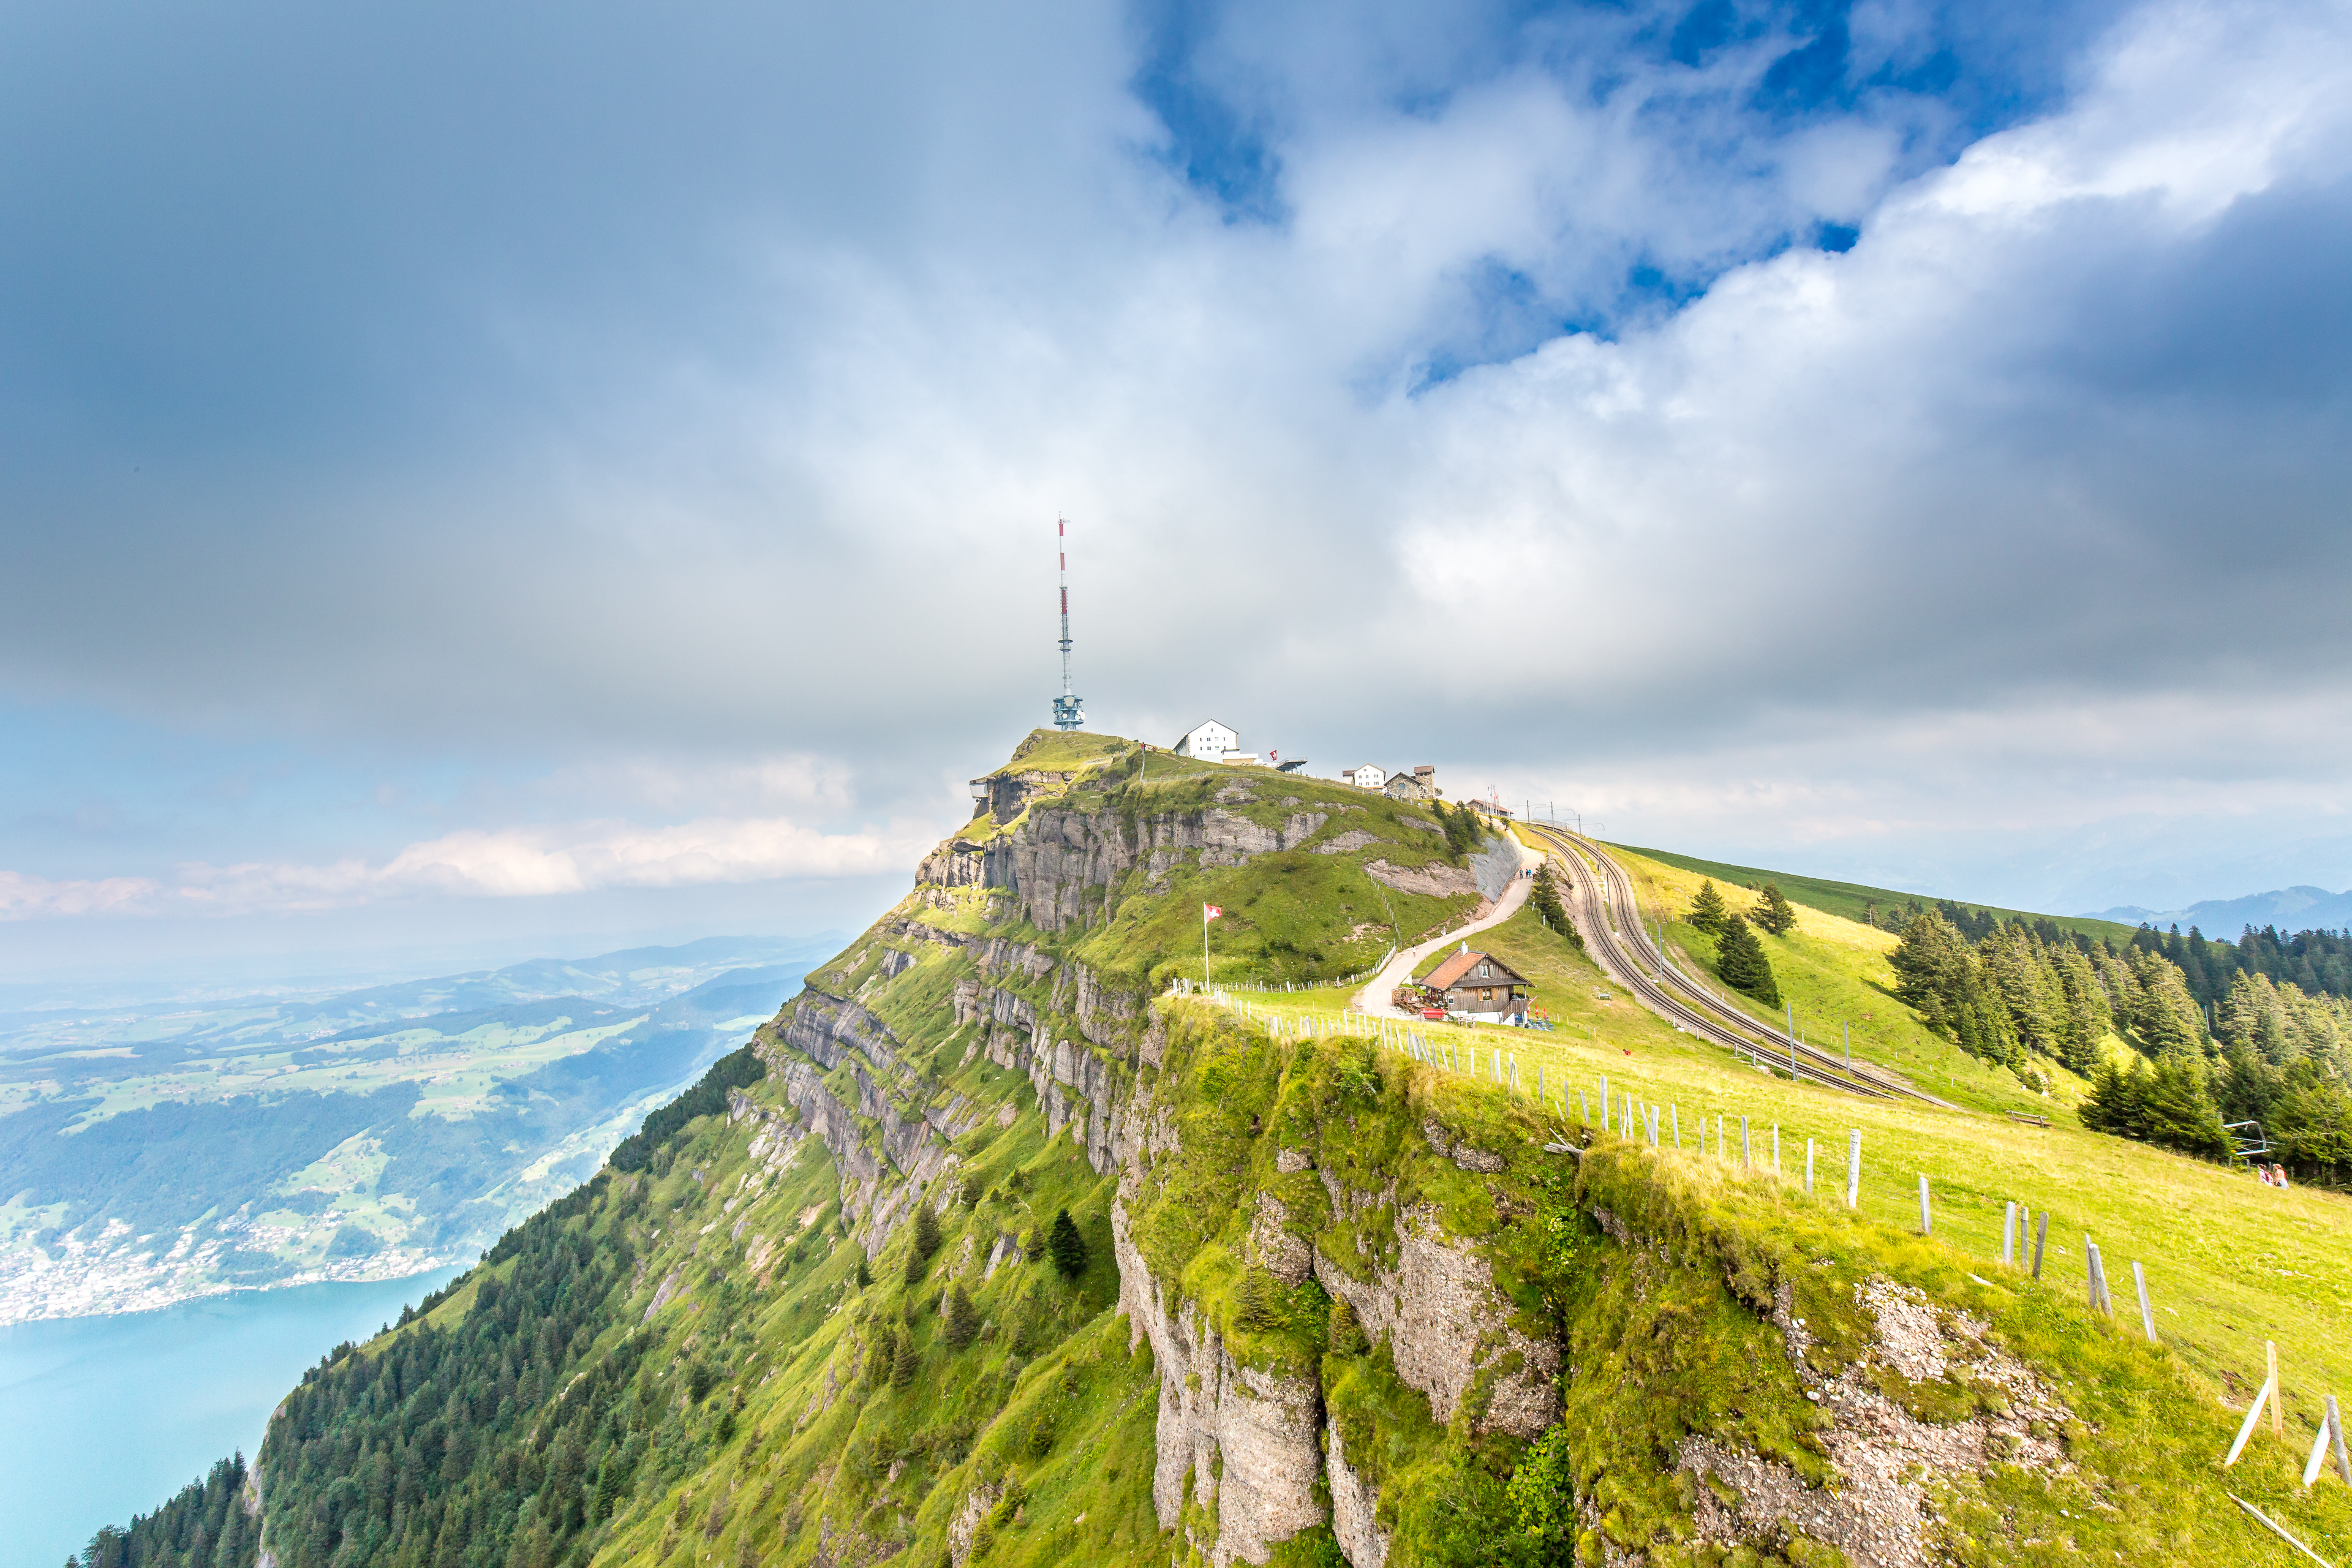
pixel 1212 742
pixel 1365 777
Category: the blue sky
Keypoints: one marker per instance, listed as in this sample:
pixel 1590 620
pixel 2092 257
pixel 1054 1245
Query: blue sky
pixel 483 470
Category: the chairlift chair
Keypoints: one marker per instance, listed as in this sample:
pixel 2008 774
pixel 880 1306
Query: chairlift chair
pixel 2247 1144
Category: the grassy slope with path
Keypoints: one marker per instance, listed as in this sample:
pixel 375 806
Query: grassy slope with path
pixel 2231 1263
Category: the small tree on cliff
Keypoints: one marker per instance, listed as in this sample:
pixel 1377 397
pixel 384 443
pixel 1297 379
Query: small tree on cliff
pixel 963 1319
pixel 1708 910
pixel 1739 959
pixel 925 1241
pixel 1066 1246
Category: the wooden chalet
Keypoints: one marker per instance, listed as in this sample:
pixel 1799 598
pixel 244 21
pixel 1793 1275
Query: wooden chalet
pixel 1481 986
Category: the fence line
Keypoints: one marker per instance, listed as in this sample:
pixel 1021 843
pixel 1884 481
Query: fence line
pixel 1625 1115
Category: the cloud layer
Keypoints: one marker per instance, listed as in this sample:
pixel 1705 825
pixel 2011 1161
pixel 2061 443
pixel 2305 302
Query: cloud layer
pixel 1912 440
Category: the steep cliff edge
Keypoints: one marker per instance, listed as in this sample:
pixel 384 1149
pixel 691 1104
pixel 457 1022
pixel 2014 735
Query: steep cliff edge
pixel 1315 1302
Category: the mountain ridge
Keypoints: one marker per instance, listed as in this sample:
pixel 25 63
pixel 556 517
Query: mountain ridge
pixel 2288 909
pixel 997 1249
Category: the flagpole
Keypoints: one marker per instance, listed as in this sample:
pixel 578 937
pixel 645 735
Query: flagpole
pixel 1204 946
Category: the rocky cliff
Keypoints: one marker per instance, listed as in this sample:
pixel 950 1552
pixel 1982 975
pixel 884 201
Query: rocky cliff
pixel 1013 1256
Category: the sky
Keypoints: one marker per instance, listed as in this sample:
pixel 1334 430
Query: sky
pixel 494 473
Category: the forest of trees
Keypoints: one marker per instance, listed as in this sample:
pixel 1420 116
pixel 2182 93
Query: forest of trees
pixel 2316 963
pixel 2218 1041
pixel 205 1526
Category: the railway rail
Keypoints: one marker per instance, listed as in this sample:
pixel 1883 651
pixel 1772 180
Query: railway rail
pixel 1611 917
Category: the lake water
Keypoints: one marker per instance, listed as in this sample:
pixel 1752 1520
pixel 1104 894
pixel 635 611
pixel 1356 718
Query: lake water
pixel 104 1417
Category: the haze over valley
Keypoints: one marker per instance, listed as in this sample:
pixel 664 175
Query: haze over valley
pixel 163 1151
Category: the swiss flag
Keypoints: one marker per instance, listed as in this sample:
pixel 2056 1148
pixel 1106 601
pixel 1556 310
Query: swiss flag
pixel 1210 911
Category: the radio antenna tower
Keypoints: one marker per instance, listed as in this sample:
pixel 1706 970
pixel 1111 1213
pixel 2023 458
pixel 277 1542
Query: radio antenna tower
pixel 1067 714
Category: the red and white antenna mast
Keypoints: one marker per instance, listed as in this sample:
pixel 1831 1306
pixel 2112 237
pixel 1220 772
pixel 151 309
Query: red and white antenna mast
pixel 1067 714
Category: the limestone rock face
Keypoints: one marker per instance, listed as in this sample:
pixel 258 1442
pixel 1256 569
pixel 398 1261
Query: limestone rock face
pixel 1354 1508
pixel 1246 1439
pixel 1447 1324
pixel 1055 865
pixel 1286 1257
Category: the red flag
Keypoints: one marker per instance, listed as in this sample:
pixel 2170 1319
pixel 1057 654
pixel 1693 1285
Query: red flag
pixel 1210 911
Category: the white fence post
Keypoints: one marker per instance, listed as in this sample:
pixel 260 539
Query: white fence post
pixel 1854 1168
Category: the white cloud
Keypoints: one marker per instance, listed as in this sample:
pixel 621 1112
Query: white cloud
pixel 1841 553
pixel 508 863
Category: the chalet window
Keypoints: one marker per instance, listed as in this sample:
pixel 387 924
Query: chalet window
pixel 1481 972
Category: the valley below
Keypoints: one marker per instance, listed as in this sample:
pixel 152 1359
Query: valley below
pixel 174 1148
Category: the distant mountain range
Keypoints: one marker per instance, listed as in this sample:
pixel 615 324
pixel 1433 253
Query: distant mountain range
pixel 2289 908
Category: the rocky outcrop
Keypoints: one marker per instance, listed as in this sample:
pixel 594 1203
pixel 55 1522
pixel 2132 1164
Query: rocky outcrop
pixel 1246 1439
pixel 1355 1507
pixel 1450 1331
pixel 827 1029
pixel 1878 1511
pixel 1058 864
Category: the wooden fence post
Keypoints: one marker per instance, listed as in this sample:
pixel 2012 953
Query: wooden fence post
pixel 1776 1149
pixel 1604 1103
pixel 2147 1315
pixel 1583 1109
pixel 1746 1159
pixel 2278 1392
pixel 2008 1235
pixel 2336 1427
pixel 1854 1168
pixel 1809 1167
pixel 2095 1280
pixel 2041 1235
pixel 1675 1112
pixel 1927 1217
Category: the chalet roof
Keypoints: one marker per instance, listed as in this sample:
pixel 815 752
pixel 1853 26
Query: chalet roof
pixel 1451 972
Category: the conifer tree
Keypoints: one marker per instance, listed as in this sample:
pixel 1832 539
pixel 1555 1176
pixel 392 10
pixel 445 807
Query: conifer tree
pixel 963 1319
pixel 1739 959
pixel 1545 899
pixel 1067 1246
pixel 1774 913
pixel 865 1275
pixel 1709 910
pixel 922 1244
pixel 903 1361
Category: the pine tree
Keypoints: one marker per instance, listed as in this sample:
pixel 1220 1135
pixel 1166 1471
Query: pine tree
pixel 963 1319
pixel 1544 896
pixel 1068 1247
pixel 903 1361
pixel 922 1244
pixel 1774 913
pixel 1258 1302
pixel 1739 960
pixel 865 1275
pixel 1709 910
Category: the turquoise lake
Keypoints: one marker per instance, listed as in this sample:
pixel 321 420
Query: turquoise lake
pixel 104 1417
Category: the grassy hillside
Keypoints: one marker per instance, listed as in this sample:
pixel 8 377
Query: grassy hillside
pixel 1328 1301
pixel 1852 899
pixel 1834 973
pixel 2231 1263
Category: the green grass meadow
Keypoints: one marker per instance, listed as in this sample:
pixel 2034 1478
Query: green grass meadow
pixel 2229 1263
